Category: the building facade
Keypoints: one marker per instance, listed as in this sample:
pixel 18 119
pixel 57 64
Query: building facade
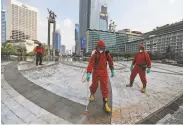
pixel 73 49
pixel 160 39
pixel 115 41
pixel 90 17
pixel 62 49
pixel 22 21
pixel 76 37
pixel 57 40
pixel 28 44
pixel 103 18
pixel 84 21
pixel 3 26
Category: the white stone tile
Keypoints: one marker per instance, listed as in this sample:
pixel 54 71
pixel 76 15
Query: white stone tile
pixel 4 95
pixel 20 99
pixel 29 118
pixel 11 118
pixel 38 121
pixel 31 107
pixel 51 119
pixel 42 112
pixel 22 112
pixel 14 120
pixel 12 93
pixel 11 104
pixel 4 111
pixel 4 84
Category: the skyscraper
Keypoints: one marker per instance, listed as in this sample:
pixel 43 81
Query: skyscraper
pixel 103 18
pixel 89 18
pixel 62 48
pixel 22 21
pixel 95 14
pixel 84 21
pixel 57 40
pixel 3 26
pixel 76 36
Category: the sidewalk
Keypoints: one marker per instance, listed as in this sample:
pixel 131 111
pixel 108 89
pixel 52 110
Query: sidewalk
pixel 129 105
pixel 16 109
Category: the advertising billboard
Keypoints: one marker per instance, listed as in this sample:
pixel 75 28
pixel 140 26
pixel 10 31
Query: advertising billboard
pixel 83 43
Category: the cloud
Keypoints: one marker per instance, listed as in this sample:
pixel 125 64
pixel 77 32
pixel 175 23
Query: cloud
pixel 67 33
pixel 147 15
pixel 43 31
pixel 66 28
pixel 67 23
pixel 172 1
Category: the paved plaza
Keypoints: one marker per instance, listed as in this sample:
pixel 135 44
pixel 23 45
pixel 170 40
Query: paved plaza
pixel 54 93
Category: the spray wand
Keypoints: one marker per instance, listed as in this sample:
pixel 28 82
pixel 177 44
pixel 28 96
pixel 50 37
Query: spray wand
pixel 87 86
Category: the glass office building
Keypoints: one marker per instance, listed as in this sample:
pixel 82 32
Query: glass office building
pixel 57 40
pixel 3 26
pixel 90 18
pixel 103 22
pixel 115 41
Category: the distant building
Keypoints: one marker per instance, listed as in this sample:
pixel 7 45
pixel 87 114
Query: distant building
pixel 22 21
pixel 160 38
pixel 115 41
pixel 84 21
pixel 128 31
pixel 3 26
pixel 103 18
pixel 28 44
pixel 73 49
pixel 57 40
pixel 68 52
pixel 90 17
pixel 62 49
pixel 77 41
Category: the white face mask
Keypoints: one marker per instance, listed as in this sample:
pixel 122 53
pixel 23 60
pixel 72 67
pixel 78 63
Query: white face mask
pixel 101 51
pixel 141 50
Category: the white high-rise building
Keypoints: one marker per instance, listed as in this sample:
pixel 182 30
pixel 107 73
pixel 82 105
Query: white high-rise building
pixel 22 21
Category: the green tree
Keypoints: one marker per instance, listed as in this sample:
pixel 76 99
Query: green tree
pixel 168 52
pixel 127 55
pixel 6 49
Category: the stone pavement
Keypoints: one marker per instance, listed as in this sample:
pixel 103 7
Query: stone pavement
pixel 128 104
pixel 16 109
pixel 173 118
pixel 96 114
pixel 171 113
pixel 62 107
pixel 131 106
pixel 67 110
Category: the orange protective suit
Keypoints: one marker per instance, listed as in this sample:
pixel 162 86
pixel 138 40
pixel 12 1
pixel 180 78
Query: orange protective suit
pixel 140 59
pixel 39 51
pixel 98 63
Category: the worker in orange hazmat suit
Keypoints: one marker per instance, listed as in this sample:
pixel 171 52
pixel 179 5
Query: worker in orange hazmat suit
pixel 139 65
pixel 98 63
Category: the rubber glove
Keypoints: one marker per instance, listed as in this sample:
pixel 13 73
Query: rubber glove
pixel 148 70
pixel 112 73
pixel 88 77
pixel 131 68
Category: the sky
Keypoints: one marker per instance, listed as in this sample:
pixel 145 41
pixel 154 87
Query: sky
pixel 140 15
